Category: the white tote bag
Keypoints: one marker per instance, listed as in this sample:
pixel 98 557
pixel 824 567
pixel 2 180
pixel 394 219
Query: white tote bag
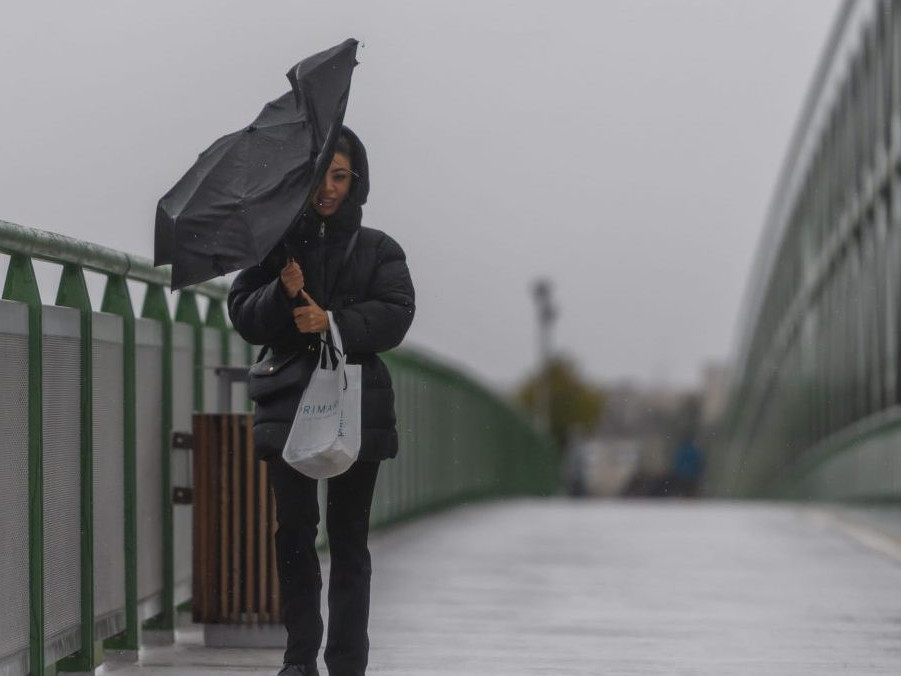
pixel 324 440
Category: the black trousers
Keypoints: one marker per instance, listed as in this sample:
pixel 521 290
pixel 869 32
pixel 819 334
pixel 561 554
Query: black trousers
pixel 347 523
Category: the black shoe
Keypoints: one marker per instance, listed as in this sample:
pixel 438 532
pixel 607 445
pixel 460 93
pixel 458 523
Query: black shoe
pixel 298 670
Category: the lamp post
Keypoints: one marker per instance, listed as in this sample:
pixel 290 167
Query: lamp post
pixel 547 313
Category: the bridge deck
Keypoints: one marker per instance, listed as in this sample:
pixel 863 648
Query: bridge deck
pixel 559 587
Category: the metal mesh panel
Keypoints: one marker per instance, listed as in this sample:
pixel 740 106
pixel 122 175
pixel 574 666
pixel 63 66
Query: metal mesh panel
pixel 183 534
pixel 212 357
pixel 182 408
pixel 149 402
pixel 62 471
pixel 17 665
pixel 13 479
pixel 109 494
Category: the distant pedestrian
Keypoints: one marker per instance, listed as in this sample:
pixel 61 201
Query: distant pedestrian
pixel 329 264
pixel 688 466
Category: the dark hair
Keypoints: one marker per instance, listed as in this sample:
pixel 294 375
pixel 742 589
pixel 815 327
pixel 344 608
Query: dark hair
pixel 343 146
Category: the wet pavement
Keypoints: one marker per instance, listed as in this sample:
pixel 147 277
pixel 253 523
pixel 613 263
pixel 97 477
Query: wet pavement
pixel 622 588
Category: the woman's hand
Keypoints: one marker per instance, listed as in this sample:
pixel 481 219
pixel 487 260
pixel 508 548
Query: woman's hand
pixel 292 278
pixel 310 318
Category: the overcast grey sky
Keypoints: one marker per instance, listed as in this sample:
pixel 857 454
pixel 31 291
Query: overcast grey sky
pixel 624 149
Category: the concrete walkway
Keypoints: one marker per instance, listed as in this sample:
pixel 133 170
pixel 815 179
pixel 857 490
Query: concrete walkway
pixel 622 588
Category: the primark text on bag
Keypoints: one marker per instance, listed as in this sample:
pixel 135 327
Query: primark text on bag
pixel 324 440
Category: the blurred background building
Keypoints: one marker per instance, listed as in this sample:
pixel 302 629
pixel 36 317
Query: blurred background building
pixel 630 439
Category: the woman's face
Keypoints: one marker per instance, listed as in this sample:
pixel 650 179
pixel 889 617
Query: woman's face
pixel 334 187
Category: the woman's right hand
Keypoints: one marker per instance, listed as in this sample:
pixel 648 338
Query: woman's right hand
pixel 292 278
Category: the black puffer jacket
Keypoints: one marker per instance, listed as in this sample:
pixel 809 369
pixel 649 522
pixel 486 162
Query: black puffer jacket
pixel 371 298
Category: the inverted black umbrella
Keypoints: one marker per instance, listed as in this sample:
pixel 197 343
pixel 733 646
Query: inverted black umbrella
pixel 243 193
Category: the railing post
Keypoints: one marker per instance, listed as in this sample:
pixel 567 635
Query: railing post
pixel 21 286
pixel 116 300
pixel 73 293
pixel 187 311
pixel 215 319
pixel 248 349
pixel 155 308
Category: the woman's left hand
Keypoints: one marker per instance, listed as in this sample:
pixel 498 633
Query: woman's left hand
pixel 310 318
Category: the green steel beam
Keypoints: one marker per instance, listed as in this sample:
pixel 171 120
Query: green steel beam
pixel 156 308
pixel 215 315
pixel 249 357
pixel 21 286
pixel 215 318
pixel 188 312
pixel 116 300
pixel 73 293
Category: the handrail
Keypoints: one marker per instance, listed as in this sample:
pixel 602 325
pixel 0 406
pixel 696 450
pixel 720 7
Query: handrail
pixel 793 163
pixel 814 393
pixel 56 248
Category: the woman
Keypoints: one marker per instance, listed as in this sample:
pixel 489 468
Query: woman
pixel 329 263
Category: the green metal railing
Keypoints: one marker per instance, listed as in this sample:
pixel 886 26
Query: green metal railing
pixel 458 441
pixel 23 245
pixel 815 411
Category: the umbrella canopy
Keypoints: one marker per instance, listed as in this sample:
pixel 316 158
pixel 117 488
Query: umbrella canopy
pixel 244 192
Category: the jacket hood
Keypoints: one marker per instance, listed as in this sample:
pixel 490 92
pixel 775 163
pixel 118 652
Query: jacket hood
pixel 340 225
pixel 349 215
pixel 359 191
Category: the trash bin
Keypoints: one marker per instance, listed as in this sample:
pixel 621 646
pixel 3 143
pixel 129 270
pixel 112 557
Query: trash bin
pixel 235 589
